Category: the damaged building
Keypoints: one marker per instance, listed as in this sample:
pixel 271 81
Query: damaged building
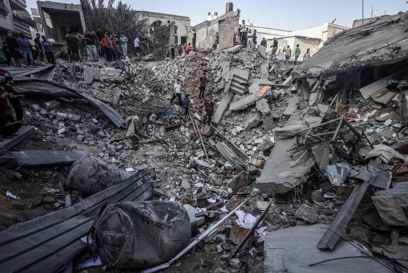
pixel 218 32
pixel 181 24
pixel 280 168
pixel 60 18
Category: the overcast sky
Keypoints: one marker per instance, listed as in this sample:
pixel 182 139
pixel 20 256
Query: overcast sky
pixel 290 15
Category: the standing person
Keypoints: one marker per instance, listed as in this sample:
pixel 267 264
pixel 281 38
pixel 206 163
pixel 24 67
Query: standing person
pixel 99 34
pixel 209 111
pixel 177 92
pixel 187 48
pixel 245 37
pixel 114 47
pixel 241 30
pixel 274 47
pixel 13 48
pixel 203 84
pixel 254 38
pixel 194 39
pixel 91 45
pixel 297 53
pixel 123 40
pixel 263 42
pixel 136 45
pixel 73 46
pixel 288 54
pixel 186 103
pixel 106 44
pixel 49 51
pixel 6 53
pixel 307 55
pixel 38 47
pixel 173 51
pixel 25 47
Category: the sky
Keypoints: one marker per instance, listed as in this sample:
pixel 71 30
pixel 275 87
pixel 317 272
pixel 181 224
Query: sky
pixel 282 14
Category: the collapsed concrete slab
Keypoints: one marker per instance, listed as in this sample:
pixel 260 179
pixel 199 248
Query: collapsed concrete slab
pixel 392 204
pixel 381 41
pixel 294 250
pixel 277 175
pixel 245 102
pixel 222 107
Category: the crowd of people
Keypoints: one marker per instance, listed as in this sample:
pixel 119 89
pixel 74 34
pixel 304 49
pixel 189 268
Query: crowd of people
pixel 17 49
pixel 249 38
pixel 92 45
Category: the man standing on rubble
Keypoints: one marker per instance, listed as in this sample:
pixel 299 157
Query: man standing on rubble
pixel 107 47
pixel 123 40
pixel 274 47
pixel 186 104
pixel 13 48
pixel 263 42
pixel 194 39
pixel 307 55
pixel 73 46
pixel 177 92
pixel 25 47
pixel 136 45
pixel 48 50
pixel 288 54
pixel 202 86
pixel 38 47
pixel 297 53
pixel 254 39
pixel 209 110
pixel 91 45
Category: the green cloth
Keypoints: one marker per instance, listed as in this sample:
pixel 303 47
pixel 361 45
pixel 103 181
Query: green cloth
pixel 72 40
pixel 297 51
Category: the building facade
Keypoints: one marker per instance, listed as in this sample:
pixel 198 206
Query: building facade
pixel 59 18
pixel 181 24
pixel 14 18
pixel 219 31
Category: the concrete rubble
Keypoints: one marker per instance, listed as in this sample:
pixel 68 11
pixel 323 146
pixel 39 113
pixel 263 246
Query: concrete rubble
pixel 290 149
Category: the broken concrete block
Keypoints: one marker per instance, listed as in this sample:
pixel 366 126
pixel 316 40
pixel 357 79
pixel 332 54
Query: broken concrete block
pixel 192 211
pixel 233 50
pixel 252 121
pixel 262 51
pixel 392 204
pixel 307 213
pixel 207 131
pixel 265 146
pixel 263 107
pixel 294 249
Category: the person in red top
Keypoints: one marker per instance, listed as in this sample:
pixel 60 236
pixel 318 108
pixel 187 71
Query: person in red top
pixel 209 110
pixel 107 47
pixel 188 48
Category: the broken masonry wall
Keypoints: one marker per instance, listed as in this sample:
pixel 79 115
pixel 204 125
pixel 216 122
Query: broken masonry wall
pixel 226 31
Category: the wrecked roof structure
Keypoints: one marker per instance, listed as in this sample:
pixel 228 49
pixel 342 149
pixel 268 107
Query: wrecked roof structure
pixel 381 41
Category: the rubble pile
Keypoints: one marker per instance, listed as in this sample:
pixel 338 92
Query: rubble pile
pixel 294 156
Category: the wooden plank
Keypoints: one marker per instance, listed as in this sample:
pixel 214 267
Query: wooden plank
pixel 343 217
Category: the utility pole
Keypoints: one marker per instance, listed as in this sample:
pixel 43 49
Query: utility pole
pixel 362 11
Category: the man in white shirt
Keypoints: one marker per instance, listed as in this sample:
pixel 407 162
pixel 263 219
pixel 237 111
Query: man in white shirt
pixel 123 40
pixel 136 45
pixel 177 92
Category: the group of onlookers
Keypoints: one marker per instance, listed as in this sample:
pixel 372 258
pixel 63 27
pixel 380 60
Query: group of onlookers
pixel 19 47
pixel 94 44
pixel 249 38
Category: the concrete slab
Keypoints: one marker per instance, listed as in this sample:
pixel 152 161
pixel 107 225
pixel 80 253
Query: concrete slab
pixel 244 102
pixel 43 158
pixel 222 107
pixel 375 87
pixel 294 249
pixel 277 175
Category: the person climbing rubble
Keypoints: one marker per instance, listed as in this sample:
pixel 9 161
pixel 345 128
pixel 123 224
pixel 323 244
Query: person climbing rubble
pixel 209 110
pixel 202 86
pixel 186 103
pixel 177 92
